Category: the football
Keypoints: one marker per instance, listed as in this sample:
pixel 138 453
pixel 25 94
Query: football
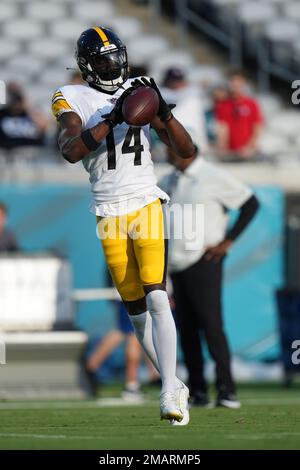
pixel 141 106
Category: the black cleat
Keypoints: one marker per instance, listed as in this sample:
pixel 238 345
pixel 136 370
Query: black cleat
pixel 199 398
pixel 228 400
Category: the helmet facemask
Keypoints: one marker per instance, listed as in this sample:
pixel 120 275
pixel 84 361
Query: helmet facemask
pixel 105 71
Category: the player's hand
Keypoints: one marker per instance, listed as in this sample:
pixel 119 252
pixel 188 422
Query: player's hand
pixel 115 116
pixel 217 252
pixel 164 110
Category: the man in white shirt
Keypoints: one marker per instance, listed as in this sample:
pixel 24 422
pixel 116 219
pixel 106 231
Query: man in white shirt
pixel 196 268
pixel 189 106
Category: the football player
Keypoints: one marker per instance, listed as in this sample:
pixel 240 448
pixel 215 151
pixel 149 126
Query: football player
pixel 118 160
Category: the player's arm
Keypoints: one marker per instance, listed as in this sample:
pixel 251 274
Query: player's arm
pixel 74 143
pixel 169 130
pixel 175 136
pixel 222 136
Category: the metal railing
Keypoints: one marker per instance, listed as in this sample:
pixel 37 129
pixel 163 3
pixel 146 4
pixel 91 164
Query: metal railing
pixel 185 16
pixel 232 40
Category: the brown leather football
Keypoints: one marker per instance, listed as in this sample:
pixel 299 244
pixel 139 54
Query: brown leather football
pixel 141 106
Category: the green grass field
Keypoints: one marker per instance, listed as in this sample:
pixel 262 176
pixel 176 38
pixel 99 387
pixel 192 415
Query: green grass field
pixel 268 419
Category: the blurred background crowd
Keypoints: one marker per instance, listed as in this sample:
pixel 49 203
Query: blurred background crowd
pixel 231 68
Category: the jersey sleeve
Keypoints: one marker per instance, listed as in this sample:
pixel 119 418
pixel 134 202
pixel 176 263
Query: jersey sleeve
pixel 60 105
pixel 231 192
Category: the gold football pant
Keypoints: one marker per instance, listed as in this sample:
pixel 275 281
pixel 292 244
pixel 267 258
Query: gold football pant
pixel 135 249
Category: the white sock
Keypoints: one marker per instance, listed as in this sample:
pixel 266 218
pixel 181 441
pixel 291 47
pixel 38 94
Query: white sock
pixel 142 324
pixel 164 337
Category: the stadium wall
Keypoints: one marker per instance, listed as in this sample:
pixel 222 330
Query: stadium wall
pixel 56 218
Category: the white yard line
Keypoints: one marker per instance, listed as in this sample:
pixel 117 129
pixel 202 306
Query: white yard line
pixel 42 405
pixel 246 437
pixel 262 435
pixel 43 436
pixel 115 402
pixel 271 401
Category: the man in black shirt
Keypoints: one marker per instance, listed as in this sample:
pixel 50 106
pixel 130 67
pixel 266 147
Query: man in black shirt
pixel 8 240
pixel 20 124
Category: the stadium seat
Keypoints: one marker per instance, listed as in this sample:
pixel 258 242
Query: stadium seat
pixel 23 29
pixel 296 50
pixel 143 48
pixel 66 61
pixel 53 78
pixel 95 12
pixel 297 141
pixel 7 11
pixel 270 104
pixel 178 58
pixel 9 75
pixel 61 1
pixel 206 75
pixel 68 29
pixel 25 64
pixel 272 144
pixel 221 3
pixel 291 10
pixel 286 123
pixel 282 30
pixel 49 48
pixel 9 48
pixel 255 12
pixel 44 11
pixel 126 27
pixel 282 33
pixel 39 93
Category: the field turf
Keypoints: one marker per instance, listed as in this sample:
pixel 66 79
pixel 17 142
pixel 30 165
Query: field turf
pixel 269 419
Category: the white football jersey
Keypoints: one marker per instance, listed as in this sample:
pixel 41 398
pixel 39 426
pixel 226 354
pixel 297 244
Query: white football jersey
pixel 121 169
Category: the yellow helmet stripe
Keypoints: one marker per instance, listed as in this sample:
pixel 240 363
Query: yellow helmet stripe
pixel 102 35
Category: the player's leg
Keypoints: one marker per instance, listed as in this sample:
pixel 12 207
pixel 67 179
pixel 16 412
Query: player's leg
pixel 151 251
pixel 150 247
pixel 120 257
pixel 215 336
pixel 207 303
pixel 188 325
pixel 142 322
pixel 133 353
pixel 121 260
pixel 106 346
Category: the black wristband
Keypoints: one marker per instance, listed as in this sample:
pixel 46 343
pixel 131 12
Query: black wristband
pixel 111 124
pixel 88 140
pixel 167 118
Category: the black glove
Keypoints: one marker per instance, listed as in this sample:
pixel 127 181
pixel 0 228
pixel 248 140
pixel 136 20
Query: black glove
pixel 115 116
pixel 164 110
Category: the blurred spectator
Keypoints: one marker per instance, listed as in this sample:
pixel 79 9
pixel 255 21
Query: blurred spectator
pixel 138 71
pixel 197 273
pixel 176 89
pixel 8 240
pixel 239 119
pixel 218 95
pixel 20 123
pixel 124 333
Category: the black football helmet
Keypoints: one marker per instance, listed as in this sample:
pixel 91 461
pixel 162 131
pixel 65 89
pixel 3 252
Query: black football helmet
pixel 102 59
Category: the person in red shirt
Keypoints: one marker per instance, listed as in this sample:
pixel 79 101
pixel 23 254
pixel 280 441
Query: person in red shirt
pixel 239 120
